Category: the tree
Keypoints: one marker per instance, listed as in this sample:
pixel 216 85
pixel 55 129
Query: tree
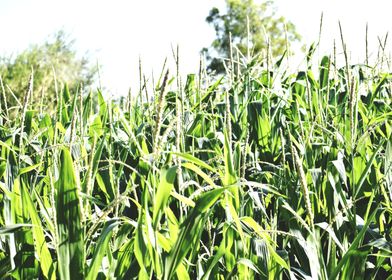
pixel 263 24
pixel 54 59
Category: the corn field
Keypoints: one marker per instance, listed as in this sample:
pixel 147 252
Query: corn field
pixel 260 174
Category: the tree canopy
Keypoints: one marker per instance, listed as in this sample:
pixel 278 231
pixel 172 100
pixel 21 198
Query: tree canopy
pixel 54 59
pixel 263 24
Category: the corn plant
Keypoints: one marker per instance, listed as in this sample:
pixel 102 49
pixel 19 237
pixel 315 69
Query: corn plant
pixel 259 174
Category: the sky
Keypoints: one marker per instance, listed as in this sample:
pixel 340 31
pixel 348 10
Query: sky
pixel 116 33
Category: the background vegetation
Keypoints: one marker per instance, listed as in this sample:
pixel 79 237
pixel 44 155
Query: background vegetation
pixel 54 61
pixel 253 28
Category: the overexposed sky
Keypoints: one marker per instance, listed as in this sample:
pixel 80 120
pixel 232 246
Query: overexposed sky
pixel 353 16
pixel 117 32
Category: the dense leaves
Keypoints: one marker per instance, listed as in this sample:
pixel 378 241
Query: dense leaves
pixel 264 174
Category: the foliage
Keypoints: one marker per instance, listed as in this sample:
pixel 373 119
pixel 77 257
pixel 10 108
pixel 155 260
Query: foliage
pixel 54 59
pixel 252 26
pixel 264 174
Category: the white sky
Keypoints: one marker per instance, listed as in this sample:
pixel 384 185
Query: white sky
pixel 117 32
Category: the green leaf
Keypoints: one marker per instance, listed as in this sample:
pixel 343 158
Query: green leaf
pixel 140 248
pixel 41 247
pixel 163 192
pixel 215 259
pixel 353 247
pixel 70 231
pixel 339 165
pixel 190 231
pixel 195 160
pixel 29 168
pixel 101 249
pixel 230 177
pixel 324 73
pixel 10 229
pixel 358 187
pixel 199 172
pixel 388 167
